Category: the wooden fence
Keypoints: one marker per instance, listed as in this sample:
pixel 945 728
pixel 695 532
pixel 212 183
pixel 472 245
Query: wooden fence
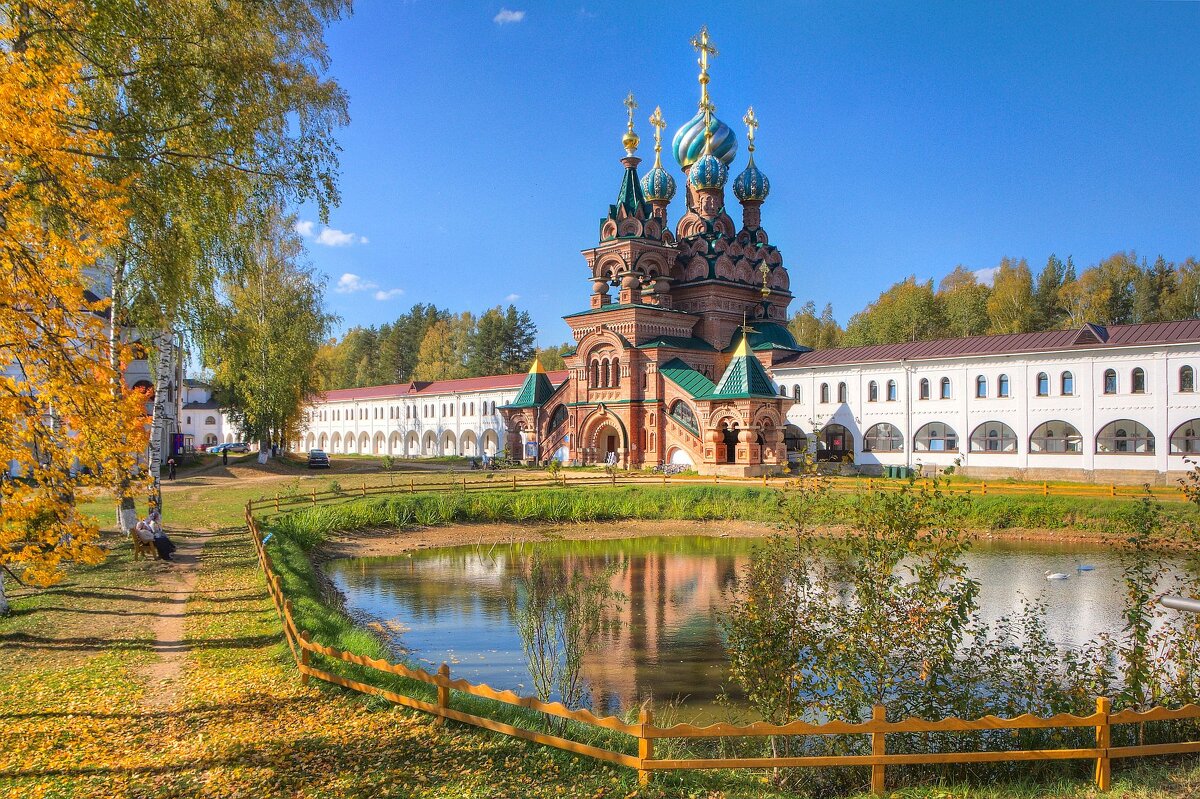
pixel 642 736
pixel 512 481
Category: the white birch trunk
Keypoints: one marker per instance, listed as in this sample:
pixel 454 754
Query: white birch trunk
pixel 264 450
pixel 3 599
pixel 164 371
pixel 126 509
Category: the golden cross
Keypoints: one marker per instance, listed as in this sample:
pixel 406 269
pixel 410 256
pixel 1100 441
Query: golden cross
pixel 751 126
pixel 630 105
pixel 658 122
pixel 704 45
pixel 766 270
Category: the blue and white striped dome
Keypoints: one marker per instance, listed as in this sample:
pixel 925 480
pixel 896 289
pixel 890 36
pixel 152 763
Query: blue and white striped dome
pixel 688 144
pixel 752 184
pixel 657 184
pixel 709 172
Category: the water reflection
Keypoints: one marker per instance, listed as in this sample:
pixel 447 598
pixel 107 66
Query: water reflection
pixel 666 642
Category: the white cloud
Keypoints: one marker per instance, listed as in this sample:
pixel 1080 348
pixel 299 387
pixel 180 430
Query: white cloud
pixel 383 296
pixel 986 276
pixel 512 298
pixel 506 16
pixel 329 237
pixel 349 283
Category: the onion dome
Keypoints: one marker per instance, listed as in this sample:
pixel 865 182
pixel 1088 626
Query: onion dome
pixel 688 144
pixel 752 184
pixel 658 185
pixel 709 172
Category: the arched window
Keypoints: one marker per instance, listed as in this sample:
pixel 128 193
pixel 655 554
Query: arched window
pixel 795 442
pixel 883 437
pixel 783 391
pixel 1124 437
pixel 559 417
pixel 189 420
pixel 1055 436
pixel 824 392
pixel 1002 386
pixel 616 372
pixel 594 375
pixel 1066 384
pixel 945 388
pixel 936 437
pixel 1186 438
pixel 210 420
pixel 891 391
pixel 796 392
pixel 1043 384
pixel 993 437
pixel 1187 380
pixel 1110 381
pixel 682 412
pixel 1138 381
pixel 842 392
pixel 923 390
pixel 872 392
pixel 835 441
pixel 980 387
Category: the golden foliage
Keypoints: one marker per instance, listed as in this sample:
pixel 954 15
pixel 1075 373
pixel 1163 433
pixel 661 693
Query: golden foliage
pixel 61 423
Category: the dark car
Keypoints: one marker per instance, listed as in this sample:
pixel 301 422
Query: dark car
pixel 240 446
pixel 317 459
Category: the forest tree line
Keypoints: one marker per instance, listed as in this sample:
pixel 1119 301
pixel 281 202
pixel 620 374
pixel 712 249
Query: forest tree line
pixel 1121 289
pixel 430 343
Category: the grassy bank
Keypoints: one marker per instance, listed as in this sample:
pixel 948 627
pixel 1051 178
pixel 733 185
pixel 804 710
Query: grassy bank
pixel 693 503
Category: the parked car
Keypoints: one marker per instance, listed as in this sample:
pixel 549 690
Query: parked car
pixel 215 449
pixel 238 446
pixel 317 459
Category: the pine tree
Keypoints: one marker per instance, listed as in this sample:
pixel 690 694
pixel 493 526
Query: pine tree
pixel 519 335
pixel 1047 313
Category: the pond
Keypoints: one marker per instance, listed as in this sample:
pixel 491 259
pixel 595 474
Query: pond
pixel 453 605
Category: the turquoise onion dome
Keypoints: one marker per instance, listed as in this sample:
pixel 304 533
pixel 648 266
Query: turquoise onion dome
pixel 709 172
pixel 752 184
pixel 658 185
pixel 688 144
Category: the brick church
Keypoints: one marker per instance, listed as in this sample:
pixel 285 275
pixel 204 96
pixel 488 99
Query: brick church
pixel 684 320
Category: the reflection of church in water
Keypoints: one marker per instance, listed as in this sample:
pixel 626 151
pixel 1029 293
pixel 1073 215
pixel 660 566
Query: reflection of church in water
pixel 673 369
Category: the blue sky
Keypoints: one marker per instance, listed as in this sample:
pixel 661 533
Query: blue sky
pixel 900 138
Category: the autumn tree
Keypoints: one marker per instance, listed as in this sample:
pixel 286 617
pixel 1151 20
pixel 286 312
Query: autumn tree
pixel 443 352
pixel 815 331
pixel 908 311
pixel 964 303
pixel 62 428
pixel 207 109
pixel 552 358
pixel 1010 304
pixel 262 353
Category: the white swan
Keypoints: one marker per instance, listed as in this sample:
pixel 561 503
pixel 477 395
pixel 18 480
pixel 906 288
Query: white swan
pixel 1057 576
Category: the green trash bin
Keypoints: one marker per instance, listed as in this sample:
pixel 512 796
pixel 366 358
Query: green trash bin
pixel 893 471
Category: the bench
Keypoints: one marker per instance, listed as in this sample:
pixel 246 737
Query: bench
pixel 142 548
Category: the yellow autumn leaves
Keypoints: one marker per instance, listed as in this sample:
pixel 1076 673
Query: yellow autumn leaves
pixel 66 419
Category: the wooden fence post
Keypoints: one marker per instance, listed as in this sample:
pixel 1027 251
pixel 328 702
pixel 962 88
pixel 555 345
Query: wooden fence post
pixel 314 496
pixel 364 488
pixel 412 485
pixel 1045 489
pixel 878 747
pixel 304 655
pixel 277 502
pixel 514 481
pixel 443 689
pixel 1103 742
pixel 1112 490
pixel 645 745
pixel 983 487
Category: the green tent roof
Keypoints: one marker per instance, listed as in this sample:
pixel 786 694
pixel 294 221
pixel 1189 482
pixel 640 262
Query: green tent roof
pixel 745 377
pixel 687 378
pixel 536 389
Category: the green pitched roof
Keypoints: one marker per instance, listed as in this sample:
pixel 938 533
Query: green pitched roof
pixel 745 377
pixel 536 389
pixel 679 343
pixel 687 378
pixel 769 336
pixel 631 195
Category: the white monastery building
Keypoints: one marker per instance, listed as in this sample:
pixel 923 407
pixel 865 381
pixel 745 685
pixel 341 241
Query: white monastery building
pixel 1116 404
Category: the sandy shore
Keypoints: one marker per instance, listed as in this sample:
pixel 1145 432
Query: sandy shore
pixel 382 542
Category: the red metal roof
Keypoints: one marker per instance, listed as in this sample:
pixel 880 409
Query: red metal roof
pixel 491 382
pixel 1183 331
